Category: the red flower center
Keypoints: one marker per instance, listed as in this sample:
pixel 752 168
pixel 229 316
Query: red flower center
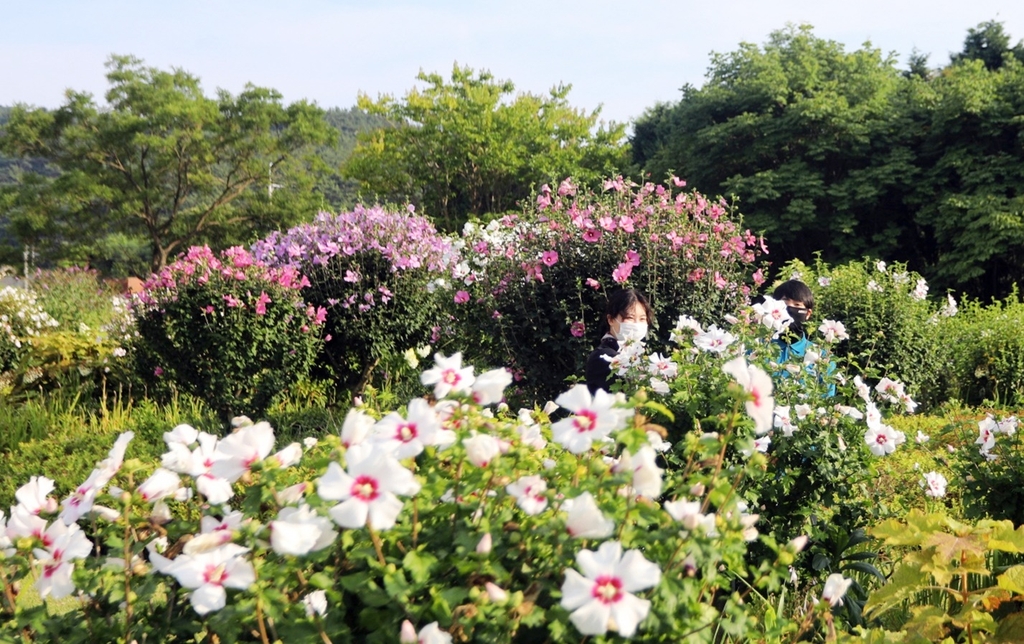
pixel 215 574
pixel 406 432
pixel 450 377
pixel 607 589
pixel 365 488
pixel 585 421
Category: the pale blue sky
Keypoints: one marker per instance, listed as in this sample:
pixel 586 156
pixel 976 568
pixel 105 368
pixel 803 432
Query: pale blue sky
pixel 626 56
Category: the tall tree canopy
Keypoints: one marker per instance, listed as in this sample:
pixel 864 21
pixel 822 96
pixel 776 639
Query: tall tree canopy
pixel 840 152
pixel 161 162
pixel 470 146
pixel 800 131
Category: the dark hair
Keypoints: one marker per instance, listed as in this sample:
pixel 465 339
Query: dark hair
pixel 621 301
pixel 795 290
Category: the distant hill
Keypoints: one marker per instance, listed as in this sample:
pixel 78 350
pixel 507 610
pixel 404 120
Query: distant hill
pixel 340 194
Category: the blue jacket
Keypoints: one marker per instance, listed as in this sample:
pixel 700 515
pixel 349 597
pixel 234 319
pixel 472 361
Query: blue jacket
pixel 790 350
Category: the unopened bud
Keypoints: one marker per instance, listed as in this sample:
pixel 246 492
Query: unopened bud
pixel 697 489
pixel 408 633
pixel 690 566
pixel 798 543
pixel 484 546
pixel 497 594
pixel 550 407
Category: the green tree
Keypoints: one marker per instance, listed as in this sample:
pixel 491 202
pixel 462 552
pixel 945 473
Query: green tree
pixel 971 199
pixel 162 162
pixel 813 140
pixel 989 43
pixel 469 146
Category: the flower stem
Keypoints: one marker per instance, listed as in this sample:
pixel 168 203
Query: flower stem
pixel 128 611
pixel 415 521
pixel 8 591
pixel 259 620
pixel 323 634
pixel 377 546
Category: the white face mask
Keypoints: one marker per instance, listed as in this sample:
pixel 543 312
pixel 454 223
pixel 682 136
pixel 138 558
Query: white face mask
pixel 631 331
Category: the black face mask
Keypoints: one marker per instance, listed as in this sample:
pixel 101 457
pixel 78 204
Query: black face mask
pixel 799 316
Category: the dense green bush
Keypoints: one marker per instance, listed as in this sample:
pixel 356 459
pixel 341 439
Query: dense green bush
pixel 229 330
pixel 988 361
pixel 370 270
pixel 894 330
pixel 536 285
pixel 77 298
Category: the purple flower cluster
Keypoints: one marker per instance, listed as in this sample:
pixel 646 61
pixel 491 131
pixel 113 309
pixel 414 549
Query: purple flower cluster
pixel 352 242
pixel 405 239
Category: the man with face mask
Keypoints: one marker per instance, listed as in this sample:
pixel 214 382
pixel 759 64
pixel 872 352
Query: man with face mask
pixel 799 304
pixel 626 318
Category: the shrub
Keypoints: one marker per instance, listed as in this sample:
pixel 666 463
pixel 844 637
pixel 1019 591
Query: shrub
pixel 536 284
pixel 229 330
pixel 988 361
pixel 369 270
pixel 822 431
pixel 953 567
pixel 894 330
pixel 21 318
pixel 471 536
pixel 76 298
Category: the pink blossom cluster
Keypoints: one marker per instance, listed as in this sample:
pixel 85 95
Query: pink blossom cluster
pixel 201 266
pixel 646 221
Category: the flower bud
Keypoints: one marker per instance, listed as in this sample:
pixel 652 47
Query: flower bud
pixel 240 421
pixel 160 514
pixel 408 633
pixel 550 407
pixel 690 566
pixel 497 594
pixel 798 543
pixel 105 513
pixel 485 544
pixel 697 489
pixel 289 455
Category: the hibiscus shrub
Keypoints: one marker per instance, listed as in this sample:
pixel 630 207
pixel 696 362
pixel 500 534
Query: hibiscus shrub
pixel 537 284
pixel 438 523
pixel 228 329
pixel 369 271
pixel 894 329
pixel 821 430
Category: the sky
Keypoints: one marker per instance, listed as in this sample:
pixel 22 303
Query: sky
pixel 624 57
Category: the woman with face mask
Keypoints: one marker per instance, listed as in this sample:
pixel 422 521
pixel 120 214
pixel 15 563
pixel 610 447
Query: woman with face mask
pixel 626 317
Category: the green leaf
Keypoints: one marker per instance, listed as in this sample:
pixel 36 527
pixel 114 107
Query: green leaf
pixel 904 583
pixel 1005 538
pixel 1012 580
pixel 419 564
pixel 321 580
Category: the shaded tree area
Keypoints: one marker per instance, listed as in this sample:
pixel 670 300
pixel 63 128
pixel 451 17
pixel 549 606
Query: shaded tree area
pixel 840 152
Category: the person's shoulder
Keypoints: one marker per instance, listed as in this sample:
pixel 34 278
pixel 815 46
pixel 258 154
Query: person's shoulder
pixel 608 342
pixel 606 347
